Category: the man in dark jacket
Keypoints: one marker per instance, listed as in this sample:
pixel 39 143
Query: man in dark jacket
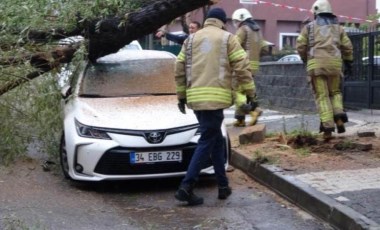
pixel 194 26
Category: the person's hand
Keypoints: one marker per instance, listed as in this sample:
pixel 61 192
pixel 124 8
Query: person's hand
pixel 182 106
pixel 160 33
pixel 252 101
pixel 348 68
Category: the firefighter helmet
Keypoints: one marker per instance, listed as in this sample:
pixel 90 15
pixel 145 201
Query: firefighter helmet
pixel 241 15
pixel 321 6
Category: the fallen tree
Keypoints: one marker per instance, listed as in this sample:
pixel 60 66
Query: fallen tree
pixel 103 36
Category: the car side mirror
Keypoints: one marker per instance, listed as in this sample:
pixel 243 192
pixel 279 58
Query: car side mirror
pixel 66 91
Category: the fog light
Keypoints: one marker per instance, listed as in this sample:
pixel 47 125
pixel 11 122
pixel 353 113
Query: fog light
pixel 79 168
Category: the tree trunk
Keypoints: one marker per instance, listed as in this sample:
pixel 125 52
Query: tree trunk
pixel 109 35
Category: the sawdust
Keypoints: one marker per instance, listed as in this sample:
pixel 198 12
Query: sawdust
pixel 302 154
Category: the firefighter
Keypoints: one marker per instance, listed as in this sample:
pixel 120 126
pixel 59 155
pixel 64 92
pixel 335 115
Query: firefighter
pixel 208 62
pixel 250 37
pixel 323 46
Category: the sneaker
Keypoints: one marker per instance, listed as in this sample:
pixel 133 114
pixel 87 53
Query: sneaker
pixel 224 192
pixel 188 196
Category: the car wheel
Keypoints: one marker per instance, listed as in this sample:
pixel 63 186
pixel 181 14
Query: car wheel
pixel 63 157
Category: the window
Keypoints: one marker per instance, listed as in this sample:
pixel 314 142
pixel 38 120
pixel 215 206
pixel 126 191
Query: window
pixel 288 40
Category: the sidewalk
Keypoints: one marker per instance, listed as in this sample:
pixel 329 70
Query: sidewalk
pixel 346 196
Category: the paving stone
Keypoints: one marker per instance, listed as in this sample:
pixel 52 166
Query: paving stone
pixel 366 134
pixel 252 134
pixel 363 146
pixel 334 182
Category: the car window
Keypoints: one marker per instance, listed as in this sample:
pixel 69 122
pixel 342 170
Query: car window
pixel 130 78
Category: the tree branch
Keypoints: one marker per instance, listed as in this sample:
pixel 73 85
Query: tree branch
pixel 44 62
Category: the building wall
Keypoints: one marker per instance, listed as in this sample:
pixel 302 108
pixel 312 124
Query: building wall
pixel 276 20
pixel 274 17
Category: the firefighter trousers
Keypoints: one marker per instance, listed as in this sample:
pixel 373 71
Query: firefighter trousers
pixel 328 98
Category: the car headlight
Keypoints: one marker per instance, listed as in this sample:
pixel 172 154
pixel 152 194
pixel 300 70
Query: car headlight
pixel 90 132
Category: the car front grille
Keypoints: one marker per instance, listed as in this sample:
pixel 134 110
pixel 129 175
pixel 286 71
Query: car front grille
pixel 116 161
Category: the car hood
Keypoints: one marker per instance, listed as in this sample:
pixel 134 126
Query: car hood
pixel 137 113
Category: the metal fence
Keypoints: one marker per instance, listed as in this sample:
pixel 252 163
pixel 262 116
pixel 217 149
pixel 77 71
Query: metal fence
pixel 362 88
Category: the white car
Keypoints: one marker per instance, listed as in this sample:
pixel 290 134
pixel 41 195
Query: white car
pixel 134 45
pixel 121 120
pixel 290 58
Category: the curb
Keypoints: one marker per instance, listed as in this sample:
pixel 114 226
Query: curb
pixel 301 194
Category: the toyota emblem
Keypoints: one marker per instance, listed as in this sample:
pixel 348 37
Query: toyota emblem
pixel 155 137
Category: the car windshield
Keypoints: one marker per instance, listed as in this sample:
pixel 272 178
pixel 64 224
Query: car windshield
pixel 129 78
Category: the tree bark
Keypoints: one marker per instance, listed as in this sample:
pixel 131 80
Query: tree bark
pixel 109 35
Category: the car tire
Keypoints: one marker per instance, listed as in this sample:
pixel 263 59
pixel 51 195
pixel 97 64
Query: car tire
pixel 63 157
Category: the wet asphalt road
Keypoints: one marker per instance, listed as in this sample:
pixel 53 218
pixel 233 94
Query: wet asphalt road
pixel 33 199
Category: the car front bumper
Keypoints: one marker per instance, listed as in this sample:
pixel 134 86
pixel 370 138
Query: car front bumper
pixel 97 159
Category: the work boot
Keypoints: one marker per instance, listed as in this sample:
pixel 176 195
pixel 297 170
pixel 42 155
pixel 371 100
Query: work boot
pixel 239 123
pixel 188 196
pixel 340 126
pixel 224 192
pixel 327 135
pixel 340 119
pixel 327 132
pixel 255 116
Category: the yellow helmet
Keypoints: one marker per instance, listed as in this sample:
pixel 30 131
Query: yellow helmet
pixel 241 15
pixel 321 6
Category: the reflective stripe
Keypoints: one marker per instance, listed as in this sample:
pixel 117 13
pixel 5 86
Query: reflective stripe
pixel 310 32
pixel 333 63
pixel 181 56
pixel 301 39
pixel 203 94
pixel 180 89
pixel 247 86
pixel 223 57
pixel 189 56
pixel 346 40
pixel 237 55
pixel 248 41
pixel 254 65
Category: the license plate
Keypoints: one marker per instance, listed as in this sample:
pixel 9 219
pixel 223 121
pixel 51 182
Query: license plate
pixel 154 157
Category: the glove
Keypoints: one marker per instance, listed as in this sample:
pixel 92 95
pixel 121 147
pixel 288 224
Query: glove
pixel 252 101
pixel 181 106
pixel 348 68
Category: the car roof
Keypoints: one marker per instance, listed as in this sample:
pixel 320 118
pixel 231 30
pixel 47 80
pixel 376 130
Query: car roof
pixel 128 55
pixel 292 55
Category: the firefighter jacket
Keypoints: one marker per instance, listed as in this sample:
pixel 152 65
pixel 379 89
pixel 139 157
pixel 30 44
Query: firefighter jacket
pixel 251 39
pixel 323 44
pixel 205 66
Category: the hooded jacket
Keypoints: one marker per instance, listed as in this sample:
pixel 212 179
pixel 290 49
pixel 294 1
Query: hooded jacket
pixel 205 66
